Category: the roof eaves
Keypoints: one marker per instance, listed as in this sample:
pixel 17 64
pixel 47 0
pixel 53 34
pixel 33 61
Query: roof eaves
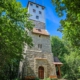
pixel 34 3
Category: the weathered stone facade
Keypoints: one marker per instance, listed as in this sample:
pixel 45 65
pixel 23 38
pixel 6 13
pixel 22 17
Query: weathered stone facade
pixel 38 24
pixel 35 57
pixel 44 40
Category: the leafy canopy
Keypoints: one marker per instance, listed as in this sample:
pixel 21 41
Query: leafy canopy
pixel 58 47
pixel 73 62
pixel 70 26
pixel 14 26
pixel 68 55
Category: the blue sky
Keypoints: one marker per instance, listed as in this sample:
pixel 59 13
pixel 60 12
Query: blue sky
pixel 51 17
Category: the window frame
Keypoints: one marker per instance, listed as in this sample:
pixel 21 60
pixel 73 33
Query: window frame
pixel 42 8
pixel 37 6
pixel 39 35
pixel 40 12
pixel 31 4
pixel 34 10
pixel 37 17
pixel 40 46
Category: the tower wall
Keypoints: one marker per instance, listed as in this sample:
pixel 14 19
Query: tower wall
pixel 38 24
pixel 40 54
pixel 34 59
pixel 44 40
pixel 36 12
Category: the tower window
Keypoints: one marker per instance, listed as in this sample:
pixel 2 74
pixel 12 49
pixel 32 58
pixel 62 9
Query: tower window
pixel 37 6
pixel 39 30
pixel 37 17
pixel 31 4
pixel 39 45
pixel 42 8
pixel 34 10
pixel 40 12
pixel 39 35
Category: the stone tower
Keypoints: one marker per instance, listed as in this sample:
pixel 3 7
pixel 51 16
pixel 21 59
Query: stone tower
pixel 38 60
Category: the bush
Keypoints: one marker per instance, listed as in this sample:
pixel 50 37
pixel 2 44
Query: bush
pixel 36 78
pixel 50 79
pixel 47 79
pixel 54 79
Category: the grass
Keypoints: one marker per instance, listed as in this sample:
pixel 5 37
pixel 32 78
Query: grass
pixel 50 79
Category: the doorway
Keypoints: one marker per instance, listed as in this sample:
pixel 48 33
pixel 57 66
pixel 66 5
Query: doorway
pixel 41 72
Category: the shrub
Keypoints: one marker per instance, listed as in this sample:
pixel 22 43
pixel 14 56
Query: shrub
pixel 36 78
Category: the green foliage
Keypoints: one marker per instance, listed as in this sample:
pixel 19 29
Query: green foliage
pixel 50 79
pixel 70 26
pixel 73 62
pixel 37 78
pixel 13 22
pixel 59 50
pixel 47 79
pixel 58 47
pixel 54 79
pixel 69 56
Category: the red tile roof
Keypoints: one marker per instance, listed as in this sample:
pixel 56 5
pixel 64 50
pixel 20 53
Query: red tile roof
pixel 40 31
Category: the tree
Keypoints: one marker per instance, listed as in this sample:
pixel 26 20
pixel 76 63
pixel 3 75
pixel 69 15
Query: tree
pixel 68 56
pixel 59 50
pixel 70 26
pixel 73 62
pixel 13 21
pixel 58 47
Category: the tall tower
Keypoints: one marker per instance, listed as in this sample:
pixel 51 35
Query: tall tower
pixel 37 12
pixel 39 60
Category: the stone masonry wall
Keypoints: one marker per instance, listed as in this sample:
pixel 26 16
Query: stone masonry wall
pixel 44 40
pixel 35 57
pixel 38 24
pixel 33 61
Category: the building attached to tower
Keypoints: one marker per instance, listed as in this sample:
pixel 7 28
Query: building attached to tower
pixel 38 60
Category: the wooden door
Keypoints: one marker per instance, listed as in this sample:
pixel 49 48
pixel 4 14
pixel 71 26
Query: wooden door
pixel 41 72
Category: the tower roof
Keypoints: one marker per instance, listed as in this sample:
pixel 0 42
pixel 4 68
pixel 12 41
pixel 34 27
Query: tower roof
pixel 57 61
pixel 40 31
pixel 34 3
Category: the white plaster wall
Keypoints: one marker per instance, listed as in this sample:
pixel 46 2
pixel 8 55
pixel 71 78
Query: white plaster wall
pixel 34 14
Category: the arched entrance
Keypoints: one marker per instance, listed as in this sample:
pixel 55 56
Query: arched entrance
pixel 41 72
